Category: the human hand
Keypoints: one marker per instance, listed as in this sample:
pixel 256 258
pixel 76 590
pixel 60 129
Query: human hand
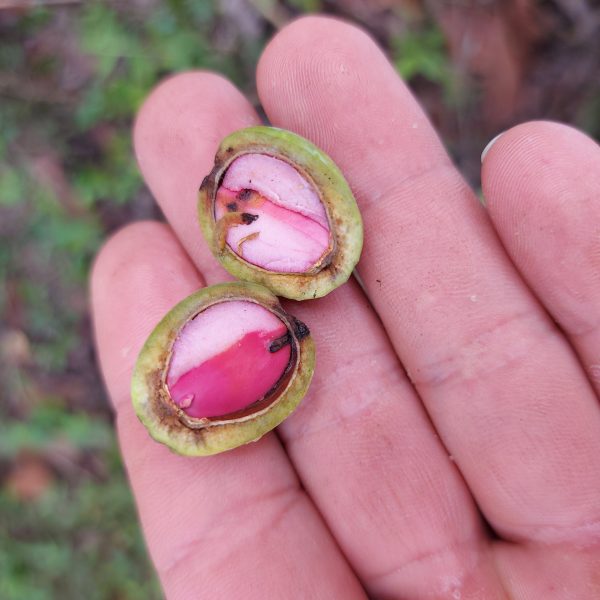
pixel 380 483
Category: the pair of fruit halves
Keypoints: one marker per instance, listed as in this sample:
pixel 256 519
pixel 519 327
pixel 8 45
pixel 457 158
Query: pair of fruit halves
pixel 228 364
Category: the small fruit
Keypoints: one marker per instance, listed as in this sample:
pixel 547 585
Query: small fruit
pixel 277 211
pixel 221 369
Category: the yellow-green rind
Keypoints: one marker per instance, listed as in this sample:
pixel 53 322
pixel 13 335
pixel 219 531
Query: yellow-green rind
pixel 316 166
pixel 160 416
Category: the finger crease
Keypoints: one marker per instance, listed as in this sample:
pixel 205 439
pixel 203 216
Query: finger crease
pixel 507 342
pixel 374 193
pixel 348 392
pixel 457 567
pixel 242 520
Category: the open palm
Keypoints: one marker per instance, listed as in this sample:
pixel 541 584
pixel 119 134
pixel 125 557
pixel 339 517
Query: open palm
pixel 450 444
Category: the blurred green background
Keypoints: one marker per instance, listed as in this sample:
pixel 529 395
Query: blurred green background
pixel 72 74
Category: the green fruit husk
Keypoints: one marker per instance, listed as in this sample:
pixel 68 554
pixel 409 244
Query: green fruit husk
pixel 169 425
pixel 344 217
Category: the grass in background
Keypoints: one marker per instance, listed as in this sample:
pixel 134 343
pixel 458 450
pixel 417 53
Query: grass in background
pixel 66 513
pixel 71 81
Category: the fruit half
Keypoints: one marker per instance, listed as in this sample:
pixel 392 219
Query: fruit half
pixel 221 369
pixel 277 211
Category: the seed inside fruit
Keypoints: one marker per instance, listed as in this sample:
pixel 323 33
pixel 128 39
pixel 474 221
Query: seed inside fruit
pixel 272 215
pixel 226 358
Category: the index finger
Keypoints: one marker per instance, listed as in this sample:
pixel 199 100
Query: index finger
pixel 235 525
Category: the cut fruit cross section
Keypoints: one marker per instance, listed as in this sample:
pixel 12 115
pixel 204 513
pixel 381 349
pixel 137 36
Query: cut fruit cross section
pixel 227 358
pixel 273 216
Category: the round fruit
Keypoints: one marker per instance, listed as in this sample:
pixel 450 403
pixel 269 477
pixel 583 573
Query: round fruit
pixel 276 210
pixel 221 369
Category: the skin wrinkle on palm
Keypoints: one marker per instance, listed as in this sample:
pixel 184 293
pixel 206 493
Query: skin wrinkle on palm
pixel 408 504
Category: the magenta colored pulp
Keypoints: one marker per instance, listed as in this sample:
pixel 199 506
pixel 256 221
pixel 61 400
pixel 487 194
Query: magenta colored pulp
pixel 221 361
pixel 289 232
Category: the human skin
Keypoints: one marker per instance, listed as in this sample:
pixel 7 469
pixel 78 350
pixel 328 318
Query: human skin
pixel 450 444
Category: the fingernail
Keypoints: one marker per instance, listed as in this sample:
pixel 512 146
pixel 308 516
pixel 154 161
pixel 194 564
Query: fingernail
pixel 489 145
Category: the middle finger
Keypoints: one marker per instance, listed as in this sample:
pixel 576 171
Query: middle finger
pixel 501 384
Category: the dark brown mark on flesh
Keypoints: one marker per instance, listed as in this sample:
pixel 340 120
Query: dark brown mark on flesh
pixel 232 207
pixel 301 331
pixel 244 195
pixel 280 342
pixel 247 218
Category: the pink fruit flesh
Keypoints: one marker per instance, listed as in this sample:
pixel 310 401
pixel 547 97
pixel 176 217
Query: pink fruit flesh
pixel 221 362
pixel 289 231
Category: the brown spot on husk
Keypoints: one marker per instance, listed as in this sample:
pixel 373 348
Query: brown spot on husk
pixel 161 406
pixel 300 329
